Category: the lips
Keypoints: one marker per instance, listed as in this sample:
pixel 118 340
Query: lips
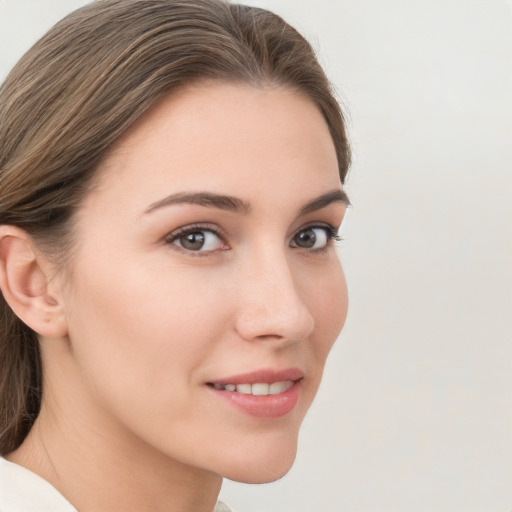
pixel 258 388
pixel 267 376
pixel 263 394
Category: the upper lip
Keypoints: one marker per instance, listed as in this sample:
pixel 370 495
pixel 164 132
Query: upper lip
pixel 264 375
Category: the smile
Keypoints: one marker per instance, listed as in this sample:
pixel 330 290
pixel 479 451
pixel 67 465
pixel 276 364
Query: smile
pixel 259 388
pixel 265 394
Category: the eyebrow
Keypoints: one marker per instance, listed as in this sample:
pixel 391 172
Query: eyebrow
pixel 334 196
pixel 236 205
pixel 207 199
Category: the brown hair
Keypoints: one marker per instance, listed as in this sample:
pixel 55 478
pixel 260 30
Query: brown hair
pixel 80 87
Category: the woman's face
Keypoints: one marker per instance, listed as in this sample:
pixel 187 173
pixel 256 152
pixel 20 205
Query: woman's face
pixel 206 292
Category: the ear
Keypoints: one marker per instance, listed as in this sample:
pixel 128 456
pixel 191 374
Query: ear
pixel 25 284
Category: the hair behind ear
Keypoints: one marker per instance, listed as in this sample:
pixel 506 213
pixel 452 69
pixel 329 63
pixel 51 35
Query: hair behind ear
pixel 20 379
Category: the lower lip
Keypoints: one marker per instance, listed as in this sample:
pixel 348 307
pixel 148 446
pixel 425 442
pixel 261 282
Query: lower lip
pixel 262 406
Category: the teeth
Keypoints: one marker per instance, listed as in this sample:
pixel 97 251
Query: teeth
pixel 280 387
pixel 258 389
pixel 244 388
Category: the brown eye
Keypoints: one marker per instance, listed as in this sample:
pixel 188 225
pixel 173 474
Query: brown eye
pixel 313 237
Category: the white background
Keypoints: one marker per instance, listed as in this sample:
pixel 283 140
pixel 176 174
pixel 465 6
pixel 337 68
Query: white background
pixel 415 411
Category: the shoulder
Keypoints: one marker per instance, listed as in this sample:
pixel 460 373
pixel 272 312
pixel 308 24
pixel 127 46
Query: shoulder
pixel 24 491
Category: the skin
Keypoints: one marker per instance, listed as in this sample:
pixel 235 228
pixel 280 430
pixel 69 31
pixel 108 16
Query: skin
pixel 146 323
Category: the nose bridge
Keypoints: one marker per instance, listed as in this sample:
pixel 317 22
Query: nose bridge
pixel 271 306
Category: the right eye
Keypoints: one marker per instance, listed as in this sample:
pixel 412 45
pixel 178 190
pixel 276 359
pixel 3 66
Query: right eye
pixel 197 240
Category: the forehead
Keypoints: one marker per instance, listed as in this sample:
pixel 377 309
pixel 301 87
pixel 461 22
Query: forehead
pixel 210 136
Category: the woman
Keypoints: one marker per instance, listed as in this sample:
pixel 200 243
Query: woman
pixel 171 189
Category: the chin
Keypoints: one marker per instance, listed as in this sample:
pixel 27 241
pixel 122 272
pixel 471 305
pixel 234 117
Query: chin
pixel 263 466
pixel 261 477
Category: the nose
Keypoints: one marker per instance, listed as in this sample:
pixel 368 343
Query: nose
pixel 270 307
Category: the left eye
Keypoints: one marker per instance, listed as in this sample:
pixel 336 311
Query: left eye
pixel 314 237
pixel 199 240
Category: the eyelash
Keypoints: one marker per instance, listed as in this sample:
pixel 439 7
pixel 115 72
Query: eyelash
pixel 194 228
pixel 331 232
pixel 332 236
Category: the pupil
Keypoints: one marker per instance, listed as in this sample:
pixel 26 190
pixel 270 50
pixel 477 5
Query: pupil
pixel 193 241
pixel 307 238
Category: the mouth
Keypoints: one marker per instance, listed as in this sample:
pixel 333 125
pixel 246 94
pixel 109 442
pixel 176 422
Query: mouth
pixel 264 394
pixel 257 389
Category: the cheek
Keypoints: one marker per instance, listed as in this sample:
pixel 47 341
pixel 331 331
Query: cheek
pixel 328 303
pixel 140 333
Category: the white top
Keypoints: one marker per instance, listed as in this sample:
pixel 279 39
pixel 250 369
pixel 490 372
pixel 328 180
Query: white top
pixel 24 491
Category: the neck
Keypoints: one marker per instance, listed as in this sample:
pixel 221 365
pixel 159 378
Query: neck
pixel 98 467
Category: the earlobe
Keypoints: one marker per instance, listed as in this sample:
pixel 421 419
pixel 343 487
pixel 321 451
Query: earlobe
pixel 24 284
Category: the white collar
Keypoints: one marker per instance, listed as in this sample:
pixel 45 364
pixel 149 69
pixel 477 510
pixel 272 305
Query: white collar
pixel 24 491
